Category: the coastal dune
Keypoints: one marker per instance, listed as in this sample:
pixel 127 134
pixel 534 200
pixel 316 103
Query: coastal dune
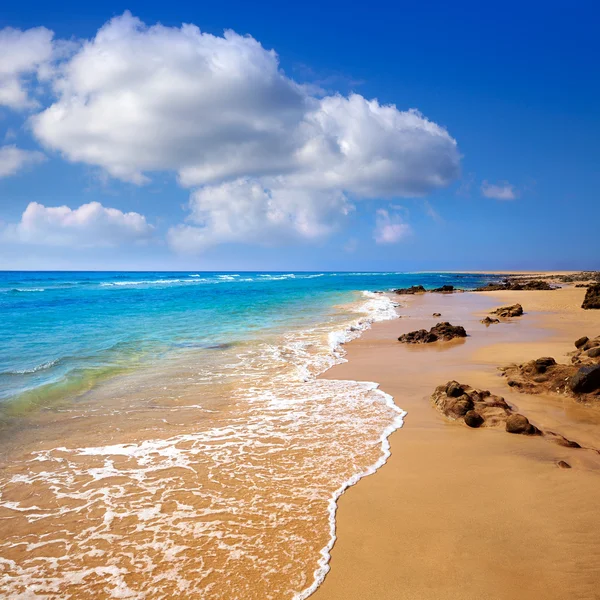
pixel 460 513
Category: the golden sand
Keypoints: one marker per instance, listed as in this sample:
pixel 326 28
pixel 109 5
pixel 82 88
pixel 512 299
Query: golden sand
pixel 458 513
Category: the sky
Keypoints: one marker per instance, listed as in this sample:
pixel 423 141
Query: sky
pixel 307 136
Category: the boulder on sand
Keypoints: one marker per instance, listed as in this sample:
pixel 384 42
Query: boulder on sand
pixel 489 321
pixel 514 310
pixel 586 380
pixel 592 297
pixel 441 331
pixel 517 423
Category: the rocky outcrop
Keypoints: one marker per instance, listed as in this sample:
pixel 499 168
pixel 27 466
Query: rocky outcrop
pixel 441 332
pixel 476 408
pixel 586 380
pixel 489 321
pixel 592 297
pixel 480 408
pixel 415 289
pixel 588 351
pixel 515 310
pixel 515 285
pixel 580 380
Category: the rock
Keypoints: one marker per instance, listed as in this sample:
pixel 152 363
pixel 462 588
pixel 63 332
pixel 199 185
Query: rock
pixel 437 314
pixel 473 419
pixel 489 321
pixel 415 289
pixel 476 407
pixel 520 424
pixel 454 389
pixel 588 351
pixel 441 331
pixel 544 375
pixel 514 284
pixel 563 441
pixel 586 380
pixel 515 310
pixel 563 465
pixel 594 352
pixel 445 289
pixel 592 297
pixel 542 364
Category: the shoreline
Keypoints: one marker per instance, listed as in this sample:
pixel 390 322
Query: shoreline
pixel 385 530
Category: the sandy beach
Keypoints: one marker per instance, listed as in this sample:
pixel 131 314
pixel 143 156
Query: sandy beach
pixel 460 513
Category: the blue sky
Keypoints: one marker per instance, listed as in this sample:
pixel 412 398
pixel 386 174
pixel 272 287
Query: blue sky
pixel 285 163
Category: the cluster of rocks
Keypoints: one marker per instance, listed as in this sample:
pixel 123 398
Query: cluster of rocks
pixel 419 289
pixel 514 310
pixel 582 276
pixel 587 351
pixel 580 380
pixel 515 285
pixel 441 331
pixel 480 408
pixel 415 289
pixel 592 297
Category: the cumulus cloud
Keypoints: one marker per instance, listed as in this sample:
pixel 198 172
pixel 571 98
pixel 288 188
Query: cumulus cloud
pixel 13 159
pixel 390 228
pixel 24 55
pixel 245 211
pixel 90 225
pixel 251 142
pixel 499 191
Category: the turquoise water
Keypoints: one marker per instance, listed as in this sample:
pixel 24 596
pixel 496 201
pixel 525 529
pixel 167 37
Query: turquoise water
pixel 63 332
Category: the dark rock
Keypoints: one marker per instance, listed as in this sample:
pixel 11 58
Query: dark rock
pixel 592 297
pixel 520 424
pixel 588 351
pixel 477 407
pixel 542 364
pixel 513 284
pixel 563 465
pixel 489 321
pixel 415 289
pixel 515 310
pixel 473 419
pixel 445 289
pixel 437 314
pixel 586 380
pixel 563 441
pixel 441 331
pixel 454 389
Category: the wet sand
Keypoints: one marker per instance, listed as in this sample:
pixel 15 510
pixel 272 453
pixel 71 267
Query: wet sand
pixel 458 513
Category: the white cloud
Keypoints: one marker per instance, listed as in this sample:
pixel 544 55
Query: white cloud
pixel 220 113
pixel 245 211
pixel 23 55
pixel 390 228
pixel 13 159
pixel 499 191
pixel 90 225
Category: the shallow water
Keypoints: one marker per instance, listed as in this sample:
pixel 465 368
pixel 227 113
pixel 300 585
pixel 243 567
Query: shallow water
pixel 201 457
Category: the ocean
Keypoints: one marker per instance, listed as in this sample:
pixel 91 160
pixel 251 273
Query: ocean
pixel 166 434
